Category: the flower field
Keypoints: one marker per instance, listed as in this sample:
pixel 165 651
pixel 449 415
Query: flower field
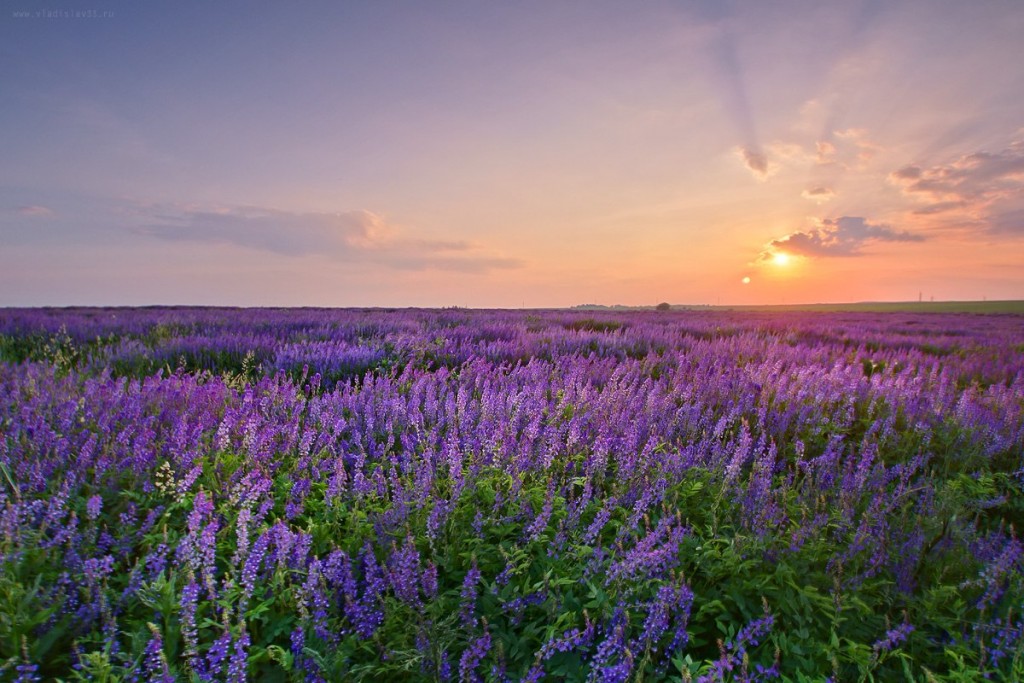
pixel 327 495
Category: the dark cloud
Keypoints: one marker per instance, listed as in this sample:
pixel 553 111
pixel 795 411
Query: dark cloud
pixel 844 236
pixel 350 235
pixel 756 162
pixel 818 194
pixel 907 173
pixel 987 186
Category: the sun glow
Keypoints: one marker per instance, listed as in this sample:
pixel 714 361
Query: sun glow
pixel 781 258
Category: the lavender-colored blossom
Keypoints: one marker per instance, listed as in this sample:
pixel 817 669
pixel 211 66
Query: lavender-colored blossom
pixel 517 606
pixel 27 673
pixel 570 640
pixel 472 657
pixel 613 660
pixel 252 565
pixel 367 613
pixel 602 517
pixel 469 594
pixel 154 661
pixel 444 668
pixel 734 652
pixel 218 654
pixel 994 576
pixel 429 579
pixel 540 522
pixel 534 675
pixel 404 572
pixel 238 665
pixel 242 534
pixel 187 616
pixel 893 637
pixel 653 555
pixel 1001 639
pixel 93 507
pixel 670 606
pixel 423 645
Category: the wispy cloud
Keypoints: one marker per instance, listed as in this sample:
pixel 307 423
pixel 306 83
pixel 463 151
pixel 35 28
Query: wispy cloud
pixel 34 210
pixel 350 235
pixel 986 187
pixel 272 230
pixel 857 139
pixel 844 236
pixel 847 150
pixel 819 194
pixel 825 152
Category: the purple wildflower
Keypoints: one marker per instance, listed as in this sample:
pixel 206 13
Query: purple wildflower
pixel 218 654
pixel 367 614
pixel 404 572
pixel 613 660
pixel 187 616
pixel 93 507
pixel 472 657
pixel 238 666
pixel 468 594
pixel 734 652
pixel 570 640
pixel 444 668
pixel 154 660
pixel 429 580
pixel 27 673
pixel 893 637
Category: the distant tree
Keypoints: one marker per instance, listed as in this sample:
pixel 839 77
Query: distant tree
pixel 663 307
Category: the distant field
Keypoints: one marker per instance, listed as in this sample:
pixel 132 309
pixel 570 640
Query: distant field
pixel 981 307
pixel 1014 307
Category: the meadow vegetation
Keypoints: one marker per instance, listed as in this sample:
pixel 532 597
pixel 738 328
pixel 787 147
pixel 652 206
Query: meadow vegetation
pixel 323 495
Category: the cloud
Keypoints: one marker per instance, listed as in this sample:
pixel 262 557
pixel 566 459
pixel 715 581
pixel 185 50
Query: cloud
pixel 1009 221
pixel 756 162
pixel 838 151
pixel 858 138
pixel 34 210
pixel 818 194
pixel 475 263
pixel 844 236
pixel 986 186
pixel 825 152
pixel 940 207
pixel 847 150
pixel 350 235
pixel 906 174
pixel 280 232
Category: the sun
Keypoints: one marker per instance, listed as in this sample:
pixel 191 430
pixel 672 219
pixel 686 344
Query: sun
pixel 781 258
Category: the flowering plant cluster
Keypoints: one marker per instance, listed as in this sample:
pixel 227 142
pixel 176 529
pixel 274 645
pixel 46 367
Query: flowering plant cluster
pixel 320 495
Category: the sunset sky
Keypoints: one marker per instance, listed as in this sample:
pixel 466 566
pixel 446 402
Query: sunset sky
pixel 507 154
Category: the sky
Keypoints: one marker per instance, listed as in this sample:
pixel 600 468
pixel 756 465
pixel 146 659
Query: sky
pixel 510 154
